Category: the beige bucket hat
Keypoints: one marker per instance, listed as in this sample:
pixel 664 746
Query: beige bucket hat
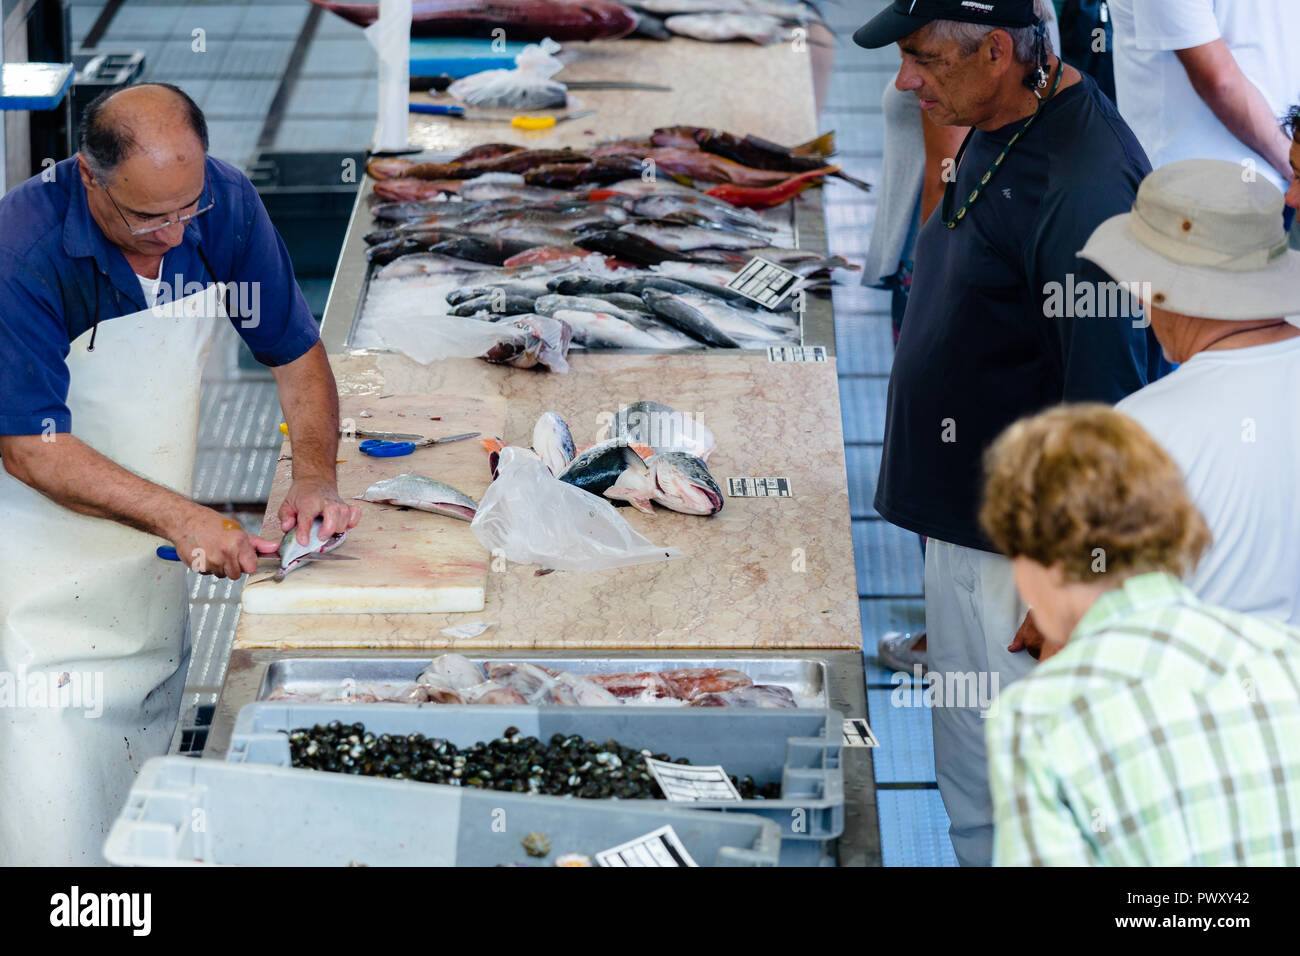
pixel 1209 243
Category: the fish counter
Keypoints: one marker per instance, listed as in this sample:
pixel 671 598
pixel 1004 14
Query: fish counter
pixel 727 585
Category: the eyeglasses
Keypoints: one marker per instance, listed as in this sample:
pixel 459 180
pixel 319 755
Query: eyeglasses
pixel 154 223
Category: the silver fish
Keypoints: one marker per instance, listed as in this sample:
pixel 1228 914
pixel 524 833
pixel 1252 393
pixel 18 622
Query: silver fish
pixel 720 27
pixel 690 238
pixel 687 318
pixel 600 330
pixel 294 555
pixel 676 480
pixel 662 427
pixel 553 442
pixel 428 264
pixel 743 323
pixel 423 494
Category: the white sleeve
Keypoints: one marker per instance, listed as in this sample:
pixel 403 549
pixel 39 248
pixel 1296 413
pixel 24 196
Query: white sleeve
pixel 1164 25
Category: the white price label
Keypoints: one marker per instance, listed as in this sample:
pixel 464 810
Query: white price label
pixel 758 487
pixel 765 282
pixel 681 783
pixel 796 353
pixel 857 733
pixel 657 848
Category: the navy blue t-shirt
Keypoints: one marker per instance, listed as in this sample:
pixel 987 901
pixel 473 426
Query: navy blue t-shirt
pixel 986 339
pixel 58 272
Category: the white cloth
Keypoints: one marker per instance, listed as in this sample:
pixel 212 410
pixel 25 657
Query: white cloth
pixel 972 612
pixel 1231 420
pixel 1156 96
pixel 93 624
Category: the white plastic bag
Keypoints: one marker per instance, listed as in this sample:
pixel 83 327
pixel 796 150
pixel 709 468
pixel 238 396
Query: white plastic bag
pixel 527 87
pixel 533 518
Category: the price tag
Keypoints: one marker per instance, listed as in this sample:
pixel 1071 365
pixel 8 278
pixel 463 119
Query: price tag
pixel 765 282
pixel 657 848
pixel 796 353
pixel 683 784
pixel 857 733
pixel 758 487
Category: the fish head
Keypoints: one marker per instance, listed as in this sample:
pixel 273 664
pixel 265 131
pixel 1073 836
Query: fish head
pixel 683 483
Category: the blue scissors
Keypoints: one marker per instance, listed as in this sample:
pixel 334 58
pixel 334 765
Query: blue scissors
pixel 382 448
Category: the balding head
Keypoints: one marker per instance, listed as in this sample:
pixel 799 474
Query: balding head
pixel 154 124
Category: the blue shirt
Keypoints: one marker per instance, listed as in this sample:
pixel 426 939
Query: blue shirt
pixel 994 330
pixel 58 272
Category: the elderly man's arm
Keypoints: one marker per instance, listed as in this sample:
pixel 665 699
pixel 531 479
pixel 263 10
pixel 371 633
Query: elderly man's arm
pixel 310 400
pixel 74 475
pixel 1237 102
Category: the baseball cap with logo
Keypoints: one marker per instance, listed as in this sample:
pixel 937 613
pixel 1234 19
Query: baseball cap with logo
pixel 905 17
pixel 1208 242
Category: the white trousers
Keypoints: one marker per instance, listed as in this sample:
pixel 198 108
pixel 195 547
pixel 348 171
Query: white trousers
pixel 972 612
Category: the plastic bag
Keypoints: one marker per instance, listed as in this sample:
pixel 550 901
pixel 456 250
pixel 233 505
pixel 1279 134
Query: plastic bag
pixel 533 518
pixel 527 87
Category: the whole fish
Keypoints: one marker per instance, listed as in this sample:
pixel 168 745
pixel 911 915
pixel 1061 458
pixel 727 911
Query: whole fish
pixel 504 186
pixel 495 304
pixel 428 263
pixel 676 480
pixel 408 188
pixel 598 467
pixel 661 427
pixel 487 249
pixel 542 255
pixel 423 494
pixel 642 187
pixel 761 197
pixel 553 442
pixel 750 150
pixel 628 246
pixel 690 238
pixel 687 318
pixel 698 164
pixel 427 211
pixel 561 20
pixel 701 210
pixel 523 160
pixel 526 288
pixel 600 170
pixel 742 323
pixel 487 151
pixel 551 303
pixel 600 330
pixel 294 555
pixel 720 27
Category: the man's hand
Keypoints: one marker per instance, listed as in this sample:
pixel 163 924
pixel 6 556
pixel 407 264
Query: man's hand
pixel 1028 638
pixel 213 544
pixel 310 497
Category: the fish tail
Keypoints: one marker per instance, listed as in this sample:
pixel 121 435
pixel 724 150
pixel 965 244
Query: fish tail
pixel 823 145
pixel 491 445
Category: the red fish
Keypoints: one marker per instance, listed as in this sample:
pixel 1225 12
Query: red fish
pixel 766 196
pixel 561 20
pixel 405 188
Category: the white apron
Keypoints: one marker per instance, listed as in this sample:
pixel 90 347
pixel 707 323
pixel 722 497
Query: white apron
pixel 94 643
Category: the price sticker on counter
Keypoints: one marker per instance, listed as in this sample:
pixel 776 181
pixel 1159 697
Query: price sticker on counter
pixel 857 733
pixel 660 847
pixel 765 282
pixel 758 487
pixel 796 353
pixel 685 784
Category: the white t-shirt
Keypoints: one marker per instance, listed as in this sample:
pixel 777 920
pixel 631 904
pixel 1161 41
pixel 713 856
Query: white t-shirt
pixel 1231 420
pixel 1155 95
pixel 150 287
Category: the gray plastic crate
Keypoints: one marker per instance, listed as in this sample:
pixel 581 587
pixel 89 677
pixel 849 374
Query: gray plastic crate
pixel 185 812
pixel 800 748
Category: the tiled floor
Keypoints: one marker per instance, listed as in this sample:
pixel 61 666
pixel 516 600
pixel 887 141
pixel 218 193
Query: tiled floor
pixel 913 825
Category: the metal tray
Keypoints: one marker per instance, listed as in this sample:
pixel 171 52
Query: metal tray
pixel 805 678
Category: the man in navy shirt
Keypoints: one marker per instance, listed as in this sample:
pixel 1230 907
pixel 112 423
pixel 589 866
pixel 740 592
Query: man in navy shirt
pixel 1003 321
pixel 115 268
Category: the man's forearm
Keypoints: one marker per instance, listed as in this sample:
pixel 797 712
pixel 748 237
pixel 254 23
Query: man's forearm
pixel 74 475
pixel 310 401
pixel 1237 102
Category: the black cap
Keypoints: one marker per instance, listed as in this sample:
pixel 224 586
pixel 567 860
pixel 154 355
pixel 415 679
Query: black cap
pixel 905 17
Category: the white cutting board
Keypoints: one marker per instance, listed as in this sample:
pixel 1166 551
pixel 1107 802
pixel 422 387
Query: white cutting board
pixel 408 561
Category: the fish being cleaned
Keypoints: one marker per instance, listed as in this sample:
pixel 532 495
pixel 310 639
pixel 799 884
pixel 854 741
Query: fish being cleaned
pixel 294 555
pixel 674 479
pixel 553 442
pixel 720 27
pixel 661 427
pixel 423 494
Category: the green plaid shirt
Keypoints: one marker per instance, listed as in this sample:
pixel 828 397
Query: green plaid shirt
pixel 1165 733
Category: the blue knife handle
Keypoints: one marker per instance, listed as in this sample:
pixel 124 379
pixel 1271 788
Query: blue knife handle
pixel 378 448
pixel 437 109
pixel 167 553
